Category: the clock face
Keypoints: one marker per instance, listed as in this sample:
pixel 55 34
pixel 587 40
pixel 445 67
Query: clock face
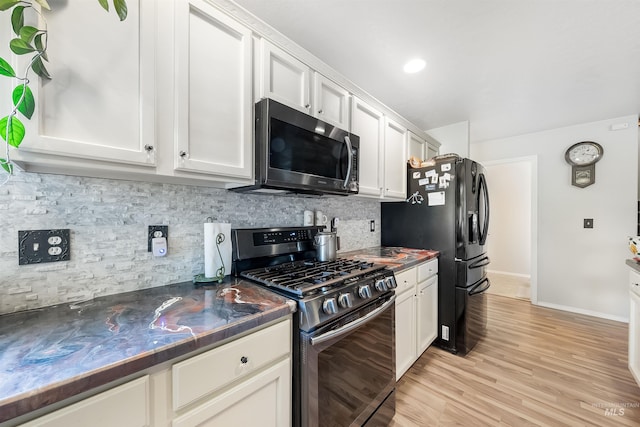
pixel 584 153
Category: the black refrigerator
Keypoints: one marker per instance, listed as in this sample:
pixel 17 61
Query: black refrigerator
pixel 447 209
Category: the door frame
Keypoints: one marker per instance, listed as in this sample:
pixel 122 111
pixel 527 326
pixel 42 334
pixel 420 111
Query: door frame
pixel 533 162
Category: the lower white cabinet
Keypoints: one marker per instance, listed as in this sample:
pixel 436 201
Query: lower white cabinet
pixel 416 313
pixel 124 406
pixel 634 325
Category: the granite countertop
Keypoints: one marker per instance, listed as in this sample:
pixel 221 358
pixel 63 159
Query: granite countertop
pixel 634 265
pixel 50 354
pixel 396 258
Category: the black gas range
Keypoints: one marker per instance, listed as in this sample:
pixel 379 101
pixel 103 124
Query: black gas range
pixel 344 340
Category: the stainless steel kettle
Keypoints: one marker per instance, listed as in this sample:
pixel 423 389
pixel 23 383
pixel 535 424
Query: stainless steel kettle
pixel 325 244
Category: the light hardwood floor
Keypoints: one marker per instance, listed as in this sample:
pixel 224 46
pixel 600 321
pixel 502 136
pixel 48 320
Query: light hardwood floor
pixel 535 367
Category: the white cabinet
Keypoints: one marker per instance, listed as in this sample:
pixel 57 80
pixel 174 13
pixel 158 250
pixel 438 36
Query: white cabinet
pixel 213 96
pixel 368 124
pixel 634 325
pixel 245 382
pixel 124 406
pixel 417 146
pixel 286 79
pixel 416 313
pixel 99 104
pixel 395 158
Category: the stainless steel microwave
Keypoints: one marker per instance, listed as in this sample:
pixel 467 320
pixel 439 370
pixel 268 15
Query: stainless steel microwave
pixel 295 152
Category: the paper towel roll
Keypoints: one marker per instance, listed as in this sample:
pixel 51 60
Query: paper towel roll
pixel 212 260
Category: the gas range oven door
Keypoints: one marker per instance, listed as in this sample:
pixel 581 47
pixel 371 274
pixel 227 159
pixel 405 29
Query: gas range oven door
pixel 348 369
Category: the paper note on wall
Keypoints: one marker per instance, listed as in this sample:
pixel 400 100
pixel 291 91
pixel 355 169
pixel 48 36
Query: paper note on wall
pixel 436 198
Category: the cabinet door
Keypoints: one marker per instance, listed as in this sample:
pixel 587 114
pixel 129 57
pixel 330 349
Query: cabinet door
pixel 123 406
pixel 417 146
pixel 432 151
pixel 284 78
pixel 395 160
pixel 427 314
pixel 213 92
pixel 368 124
pixel 99 103
pixel 405 332
pixel 262 400
pixel 331 102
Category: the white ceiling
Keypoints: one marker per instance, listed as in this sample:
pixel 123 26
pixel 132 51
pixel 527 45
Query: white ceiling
pixel 509 67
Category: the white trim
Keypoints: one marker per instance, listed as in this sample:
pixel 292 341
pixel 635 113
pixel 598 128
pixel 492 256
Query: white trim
pixel 508 273
pixel 533 160
pixel 582 311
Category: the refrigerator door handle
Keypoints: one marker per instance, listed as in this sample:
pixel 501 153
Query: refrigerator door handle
pixel 475 291
pixel 484 231
pixel 484 261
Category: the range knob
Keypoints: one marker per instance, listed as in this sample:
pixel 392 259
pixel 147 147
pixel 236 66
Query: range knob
pixel 391 282
pixel 381 286
pixel 364 291
pixel 344 300
pixel 329 306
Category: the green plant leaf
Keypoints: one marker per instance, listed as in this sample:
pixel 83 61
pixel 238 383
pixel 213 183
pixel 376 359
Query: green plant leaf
pixel 6 165
pixel 28 104
pixel 44 4
pixel 104 4
pixel 17 19
pixel 27 33
pixel 16 130
pixel 8 4
pixel 20 47
pixel 6 69
pixel 39 68
pixel 121 8
pixel 39 44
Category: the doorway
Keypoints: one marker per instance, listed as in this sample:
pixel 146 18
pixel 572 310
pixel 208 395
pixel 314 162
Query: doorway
pixel 512 236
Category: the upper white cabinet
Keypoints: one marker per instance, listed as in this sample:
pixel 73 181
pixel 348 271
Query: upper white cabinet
pixel 213 101
pixel 330 102
pixel 395 157
pixel 417 146
pixel 100 101
pixel 286 79
pixel 368 124
pixel 283 78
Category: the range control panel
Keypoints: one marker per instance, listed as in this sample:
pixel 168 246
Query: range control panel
pixel 283 236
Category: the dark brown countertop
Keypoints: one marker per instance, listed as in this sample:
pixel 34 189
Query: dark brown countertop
pixel 396 258
pixel 53 353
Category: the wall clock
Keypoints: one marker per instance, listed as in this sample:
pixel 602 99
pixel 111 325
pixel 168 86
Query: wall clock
pixel 583 157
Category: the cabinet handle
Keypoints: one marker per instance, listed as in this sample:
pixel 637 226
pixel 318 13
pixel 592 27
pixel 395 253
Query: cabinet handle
pixel 244 360
pixel 183 154
pixel 148 147
pixel 307 106
pixel 319 111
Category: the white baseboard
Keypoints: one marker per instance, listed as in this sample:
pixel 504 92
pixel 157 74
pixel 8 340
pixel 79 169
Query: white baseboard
pixel 583 311
pixel 508 273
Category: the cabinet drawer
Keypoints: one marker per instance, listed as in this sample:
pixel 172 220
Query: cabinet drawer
pixel 210 371
pixel 123 406
pixel 427 269
pixel 405 280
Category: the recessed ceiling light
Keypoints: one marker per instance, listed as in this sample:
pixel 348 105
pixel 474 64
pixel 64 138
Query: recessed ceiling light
pixel 414 66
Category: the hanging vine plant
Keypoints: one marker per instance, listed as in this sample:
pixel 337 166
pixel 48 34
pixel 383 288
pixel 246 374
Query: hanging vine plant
pixel 29 40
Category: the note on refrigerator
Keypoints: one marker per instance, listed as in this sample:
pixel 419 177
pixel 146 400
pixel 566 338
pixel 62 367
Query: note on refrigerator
pixel 436 198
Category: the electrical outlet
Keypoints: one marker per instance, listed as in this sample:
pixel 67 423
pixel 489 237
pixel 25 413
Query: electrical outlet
pixel 372 225
pixel 157 231
pixel 37 246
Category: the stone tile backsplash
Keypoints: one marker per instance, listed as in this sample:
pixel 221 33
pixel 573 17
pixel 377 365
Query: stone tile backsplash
pixel 109 219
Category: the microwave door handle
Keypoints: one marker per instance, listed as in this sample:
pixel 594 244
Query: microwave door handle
pixel 347 141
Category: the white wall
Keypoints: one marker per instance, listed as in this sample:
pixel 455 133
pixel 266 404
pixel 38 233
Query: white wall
pixel 580 269
pixel 509 242
pixel 453 138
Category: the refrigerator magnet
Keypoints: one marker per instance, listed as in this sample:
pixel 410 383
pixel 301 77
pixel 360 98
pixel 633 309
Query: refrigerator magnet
pixel 443 183
pixel 445 167
pixel 435 199
pixel 416 175
pixel 423 181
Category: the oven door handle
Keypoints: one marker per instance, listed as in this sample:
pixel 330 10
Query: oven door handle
pixel 353 325
pixel 347 141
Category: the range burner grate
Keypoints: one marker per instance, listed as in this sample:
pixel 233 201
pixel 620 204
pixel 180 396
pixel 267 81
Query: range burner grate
pixel 302 278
